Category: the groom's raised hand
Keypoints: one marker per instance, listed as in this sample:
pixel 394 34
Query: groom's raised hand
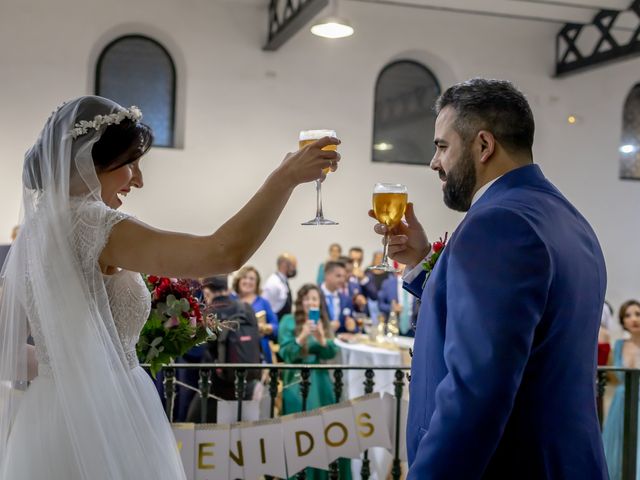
pixel 408 243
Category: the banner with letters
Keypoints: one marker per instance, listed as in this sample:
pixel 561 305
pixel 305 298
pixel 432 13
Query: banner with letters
pixel 283 446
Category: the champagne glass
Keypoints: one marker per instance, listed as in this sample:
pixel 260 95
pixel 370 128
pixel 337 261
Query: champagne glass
pixel 306 137
pixel 389 204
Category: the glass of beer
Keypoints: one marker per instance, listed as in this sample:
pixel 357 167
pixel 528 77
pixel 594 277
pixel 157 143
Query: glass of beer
pixel 306 137
pixel 389 204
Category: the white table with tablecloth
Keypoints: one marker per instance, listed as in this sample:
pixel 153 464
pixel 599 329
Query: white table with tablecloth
pixel 368 354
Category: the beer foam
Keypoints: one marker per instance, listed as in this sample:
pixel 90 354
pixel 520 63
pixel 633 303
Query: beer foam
pixel 389 188
pixel 316 134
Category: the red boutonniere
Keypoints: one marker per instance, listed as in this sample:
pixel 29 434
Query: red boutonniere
pixel 437 248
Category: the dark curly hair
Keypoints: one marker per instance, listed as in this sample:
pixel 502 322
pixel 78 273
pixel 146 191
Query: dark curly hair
pixel 300 316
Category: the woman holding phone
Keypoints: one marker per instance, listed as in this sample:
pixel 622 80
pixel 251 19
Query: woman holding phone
pixel 306 337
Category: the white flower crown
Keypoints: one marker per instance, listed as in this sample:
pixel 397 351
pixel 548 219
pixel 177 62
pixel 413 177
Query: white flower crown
pixel 83 126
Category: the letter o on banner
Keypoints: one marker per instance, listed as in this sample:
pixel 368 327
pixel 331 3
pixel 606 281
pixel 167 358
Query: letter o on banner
pixel 344 434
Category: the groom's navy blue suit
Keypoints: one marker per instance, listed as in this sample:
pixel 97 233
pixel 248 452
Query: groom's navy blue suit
pixel 502 380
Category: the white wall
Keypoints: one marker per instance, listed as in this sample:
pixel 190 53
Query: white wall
pixel 240 110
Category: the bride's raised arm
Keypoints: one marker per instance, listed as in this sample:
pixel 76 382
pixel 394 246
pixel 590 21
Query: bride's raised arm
pixel 138 247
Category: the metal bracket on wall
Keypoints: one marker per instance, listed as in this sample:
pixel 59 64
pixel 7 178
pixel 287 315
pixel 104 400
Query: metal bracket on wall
pixel 571 59
pixel 287 17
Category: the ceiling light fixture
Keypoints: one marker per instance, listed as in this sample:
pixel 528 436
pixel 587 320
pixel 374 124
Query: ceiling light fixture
pixel 332 26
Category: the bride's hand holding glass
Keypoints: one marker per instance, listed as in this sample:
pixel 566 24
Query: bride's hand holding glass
pixel 311 162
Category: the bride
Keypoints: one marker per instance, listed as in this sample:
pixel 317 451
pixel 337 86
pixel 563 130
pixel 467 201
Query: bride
pixel 70 281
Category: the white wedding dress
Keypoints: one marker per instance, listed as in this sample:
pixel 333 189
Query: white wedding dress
pixel 40 446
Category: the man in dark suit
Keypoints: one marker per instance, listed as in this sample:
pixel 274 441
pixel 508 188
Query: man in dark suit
pixel 358 287
pixel 339 305
pixel 393 298
pixel 502 379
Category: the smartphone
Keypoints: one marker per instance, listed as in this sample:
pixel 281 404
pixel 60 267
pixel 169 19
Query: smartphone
pixel 314 314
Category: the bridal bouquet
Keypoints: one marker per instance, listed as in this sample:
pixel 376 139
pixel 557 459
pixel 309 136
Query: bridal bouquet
pixel 175 324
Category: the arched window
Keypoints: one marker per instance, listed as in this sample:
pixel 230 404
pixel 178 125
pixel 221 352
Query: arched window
pixel 630 144
pixel 404 119
pixel 136 70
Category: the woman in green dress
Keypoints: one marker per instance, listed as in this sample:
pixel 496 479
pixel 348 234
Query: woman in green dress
pixel 304 341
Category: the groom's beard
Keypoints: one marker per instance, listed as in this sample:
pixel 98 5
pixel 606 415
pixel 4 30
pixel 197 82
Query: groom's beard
pixel 460 183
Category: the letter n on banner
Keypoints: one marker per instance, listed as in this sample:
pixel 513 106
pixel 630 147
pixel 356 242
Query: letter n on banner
pixel 304 441
pixel 237 456
pixel 371 421
pixel 185 440
pixel 340 431
pixel 212 452
pixel 264 447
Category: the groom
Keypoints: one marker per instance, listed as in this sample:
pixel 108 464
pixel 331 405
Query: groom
pixel 502 380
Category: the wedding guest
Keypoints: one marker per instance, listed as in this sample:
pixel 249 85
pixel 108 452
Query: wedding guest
pixel 376 279
pixel 339 305
pixel 393 298
pixel 276 289
pixel 357 287
pixel 335 251
pixel 604 334
pixel 357 255
pixel 626 353
pixel 190 377
pixel 308 342
pixel 14 232
pixel 4 249
pixel 246 285
pixel 377 276
pixel 239 344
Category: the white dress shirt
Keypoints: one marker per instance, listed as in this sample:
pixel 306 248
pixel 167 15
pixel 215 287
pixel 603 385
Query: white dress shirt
pixel 275 290
pixel 334 297
pixel 400 294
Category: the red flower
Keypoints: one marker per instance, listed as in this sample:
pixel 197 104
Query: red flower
pixel 153 279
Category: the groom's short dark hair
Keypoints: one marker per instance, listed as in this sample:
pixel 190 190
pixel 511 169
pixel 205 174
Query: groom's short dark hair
pixel 493 105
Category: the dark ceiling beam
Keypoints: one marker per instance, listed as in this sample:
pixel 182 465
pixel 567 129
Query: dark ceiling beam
pixel 560 3
pixel 470 11
pixel 569 57
pixel 287 17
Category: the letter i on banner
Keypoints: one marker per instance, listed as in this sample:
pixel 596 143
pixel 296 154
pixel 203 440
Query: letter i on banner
pixel 371 421
pixel 340 431
pixel 304 442
pixel 212 452
pixel 390 408
pixel 185 440
pixel 264 446
pixel 237 456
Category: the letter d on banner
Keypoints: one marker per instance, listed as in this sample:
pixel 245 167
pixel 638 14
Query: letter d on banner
pixel 309 443
pixel 304 442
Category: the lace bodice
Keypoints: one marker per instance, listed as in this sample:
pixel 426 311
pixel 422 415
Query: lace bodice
pixel 130 303
pixel 128 297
